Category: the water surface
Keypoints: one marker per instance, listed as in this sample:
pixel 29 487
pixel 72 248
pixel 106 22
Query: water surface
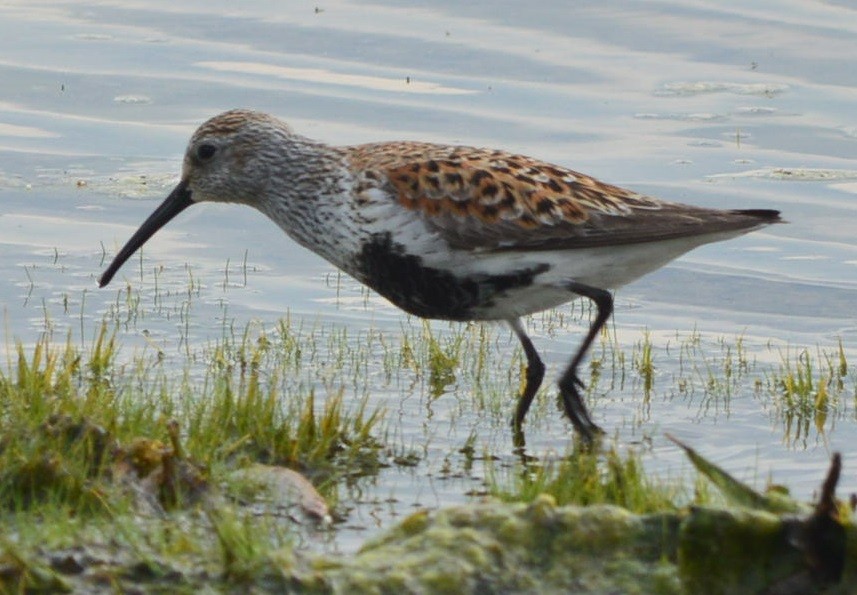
pixel 719 104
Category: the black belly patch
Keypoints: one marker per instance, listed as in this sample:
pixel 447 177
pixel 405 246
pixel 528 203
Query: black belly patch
pixel 432 292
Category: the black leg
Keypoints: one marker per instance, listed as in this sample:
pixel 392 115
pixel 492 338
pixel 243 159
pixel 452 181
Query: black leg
pixel 570 382
pixel 533 379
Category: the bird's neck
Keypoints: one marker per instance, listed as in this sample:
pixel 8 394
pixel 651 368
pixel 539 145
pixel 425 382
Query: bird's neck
pixel 314 205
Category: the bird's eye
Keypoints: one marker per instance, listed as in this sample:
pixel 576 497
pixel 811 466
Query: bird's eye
pixel 205 151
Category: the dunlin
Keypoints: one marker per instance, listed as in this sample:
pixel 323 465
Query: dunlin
pixel 448 232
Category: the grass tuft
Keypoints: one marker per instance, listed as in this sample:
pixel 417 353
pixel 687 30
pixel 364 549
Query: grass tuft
pixel 810 390
pixel 585 478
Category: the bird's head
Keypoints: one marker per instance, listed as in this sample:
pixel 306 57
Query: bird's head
pixel 228 159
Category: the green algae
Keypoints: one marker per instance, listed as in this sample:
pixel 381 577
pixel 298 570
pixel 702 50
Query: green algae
pixel 730 551
pixel 757 546
pixel 495 547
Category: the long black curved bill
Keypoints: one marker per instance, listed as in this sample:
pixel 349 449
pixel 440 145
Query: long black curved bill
pixel 175 203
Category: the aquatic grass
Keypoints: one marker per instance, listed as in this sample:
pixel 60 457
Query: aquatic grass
pixel 63 412
pixel 585 478
pixel 443 358
pixel 253 409
pixel 809 391
pixel 644 362
pixel 469 362
pixel 74 423
pixel 711 372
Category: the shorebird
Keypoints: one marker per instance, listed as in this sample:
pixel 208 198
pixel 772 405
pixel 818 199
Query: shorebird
pixel 448 232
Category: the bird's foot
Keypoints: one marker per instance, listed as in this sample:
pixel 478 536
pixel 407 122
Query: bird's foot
pixel 575 409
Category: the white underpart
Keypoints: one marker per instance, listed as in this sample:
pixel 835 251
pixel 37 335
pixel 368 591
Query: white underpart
pixel 604 267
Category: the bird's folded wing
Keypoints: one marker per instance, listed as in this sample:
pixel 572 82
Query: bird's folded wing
pixel 487 200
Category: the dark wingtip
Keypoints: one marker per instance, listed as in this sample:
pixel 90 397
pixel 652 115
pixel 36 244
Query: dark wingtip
pixel 764 215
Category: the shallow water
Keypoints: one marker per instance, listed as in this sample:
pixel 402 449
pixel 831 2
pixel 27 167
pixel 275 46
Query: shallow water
pixel 718 104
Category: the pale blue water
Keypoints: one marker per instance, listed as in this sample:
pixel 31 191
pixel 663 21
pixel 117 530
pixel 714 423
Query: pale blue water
pixel 727 104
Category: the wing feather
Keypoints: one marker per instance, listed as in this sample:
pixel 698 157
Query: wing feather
pixel 481 199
